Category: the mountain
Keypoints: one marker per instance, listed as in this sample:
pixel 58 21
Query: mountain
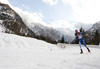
pixel 92 35
pixel 49 34
pixel 95 27
pixel 45 33
pixel 12 23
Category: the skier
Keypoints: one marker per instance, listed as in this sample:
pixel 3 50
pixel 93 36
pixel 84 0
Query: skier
pixel 79 36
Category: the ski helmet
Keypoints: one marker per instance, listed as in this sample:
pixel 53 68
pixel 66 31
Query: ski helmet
pixel 76 31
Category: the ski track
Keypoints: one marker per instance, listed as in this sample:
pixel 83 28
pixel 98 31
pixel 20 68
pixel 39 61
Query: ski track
pixel 18 52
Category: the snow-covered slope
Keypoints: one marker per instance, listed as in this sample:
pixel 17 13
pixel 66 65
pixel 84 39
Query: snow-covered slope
pixel 15 41
pixel 18 52
pixel 95 27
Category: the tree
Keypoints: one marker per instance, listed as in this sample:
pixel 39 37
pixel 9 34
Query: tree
pixel 82 30
pixel 62 40
pixel 96 38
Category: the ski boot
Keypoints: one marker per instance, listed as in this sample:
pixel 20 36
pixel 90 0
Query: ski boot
pixel 81 51
pixel 88 50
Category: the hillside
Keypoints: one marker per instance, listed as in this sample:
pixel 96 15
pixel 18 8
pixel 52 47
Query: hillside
pixel 18 52
pixel 11 22
pixel 92 35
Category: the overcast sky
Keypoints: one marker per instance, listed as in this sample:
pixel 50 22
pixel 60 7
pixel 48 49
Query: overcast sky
pixel 66 14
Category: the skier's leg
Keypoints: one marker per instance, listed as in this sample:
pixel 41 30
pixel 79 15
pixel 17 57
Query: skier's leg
pixel 80 47
pixel 85 45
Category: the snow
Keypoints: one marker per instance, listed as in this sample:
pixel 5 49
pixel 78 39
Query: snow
pixel 17 52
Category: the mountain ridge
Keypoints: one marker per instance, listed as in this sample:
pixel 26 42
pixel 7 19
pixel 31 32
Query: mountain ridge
pixel 13 23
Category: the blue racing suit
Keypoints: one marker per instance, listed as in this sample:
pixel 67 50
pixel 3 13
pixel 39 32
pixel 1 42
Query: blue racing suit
pixel 81 40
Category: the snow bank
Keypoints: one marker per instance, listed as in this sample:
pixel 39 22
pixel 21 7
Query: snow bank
pixel 18 52
pixel 15 41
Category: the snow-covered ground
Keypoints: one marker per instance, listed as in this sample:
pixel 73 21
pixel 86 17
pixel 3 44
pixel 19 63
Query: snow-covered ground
pixel 17 52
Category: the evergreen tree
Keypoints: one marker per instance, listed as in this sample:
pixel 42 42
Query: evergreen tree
pixel 96 38
pixel 62 40
pixel 82 30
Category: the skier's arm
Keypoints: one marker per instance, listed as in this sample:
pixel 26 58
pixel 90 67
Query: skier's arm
pixel 76 36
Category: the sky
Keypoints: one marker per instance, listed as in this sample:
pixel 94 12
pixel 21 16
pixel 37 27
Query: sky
pixel 61 14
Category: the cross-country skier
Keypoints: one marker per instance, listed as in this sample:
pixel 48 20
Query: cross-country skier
pixel 79 36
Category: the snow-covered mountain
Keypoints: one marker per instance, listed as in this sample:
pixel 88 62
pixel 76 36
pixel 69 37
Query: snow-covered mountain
pixel 49 33
pixel 46 33
pixel 92 32
pixel 95 27
pixel 11 22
